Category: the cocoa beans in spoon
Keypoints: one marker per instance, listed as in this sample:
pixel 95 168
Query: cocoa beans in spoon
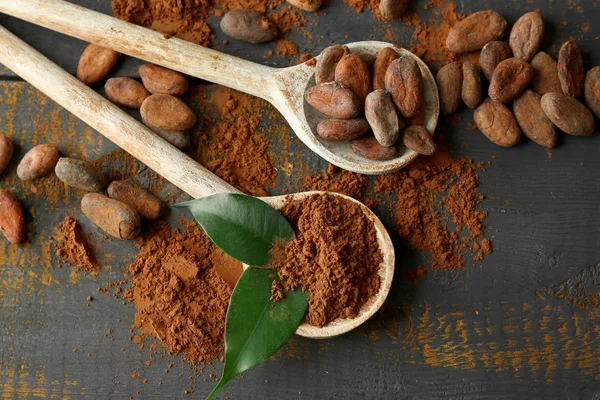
pixel 325 69
pixel 380 67
pixel 334 100
pixel 383 117
pixel 353 72
pixel 404 82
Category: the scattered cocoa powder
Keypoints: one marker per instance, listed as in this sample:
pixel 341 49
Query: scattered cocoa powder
pixel 334 256
pixel 179 296
pixel 188 20
pixel 433 194
pixel 74 247
pixel 233 149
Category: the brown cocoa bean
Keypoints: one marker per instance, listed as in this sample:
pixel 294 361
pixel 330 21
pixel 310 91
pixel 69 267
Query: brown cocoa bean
pixel 475 31
pixel 112 216
pixel 491 55
pixel 403 80
pixel 545 74
pixel 159 80
pixel 393 9
pixel 95 64
pixel 570 69
pixel 12 219
pixel 383 117
pixel 449 81
pixel 370 149
pixel 382 62
pixel 496 122
pixel 80 174
pixel 179 139
pixel 39 161
pixel 342 129
pixel 533 121
pixel 568 114
pixel 6 152
pixel 353 72
pixel 419 139
pixel 334 100
pixel 526 35
pixel 167 112
pixel 145 204
pixel 326 63
pixel 306 5
pixel 126 92
pixel 471 88
pixel 510 79
pixel 248 26
pixel 592 92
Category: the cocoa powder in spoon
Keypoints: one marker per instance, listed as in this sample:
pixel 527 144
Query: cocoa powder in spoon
pixel 334 256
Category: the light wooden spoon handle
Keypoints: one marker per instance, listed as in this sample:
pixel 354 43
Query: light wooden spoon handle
pixel 133 40
pixel 108 119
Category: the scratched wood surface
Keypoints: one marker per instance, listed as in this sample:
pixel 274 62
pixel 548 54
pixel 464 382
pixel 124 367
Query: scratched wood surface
pixel 526 326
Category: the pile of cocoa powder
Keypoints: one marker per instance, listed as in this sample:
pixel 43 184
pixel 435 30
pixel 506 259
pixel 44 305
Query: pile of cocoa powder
pixel 179 296
pixel 334 256
pixel 74 247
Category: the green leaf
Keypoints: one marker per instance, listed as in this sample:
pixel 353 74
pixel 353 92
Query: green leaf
pixel 255 327
pixel 242 226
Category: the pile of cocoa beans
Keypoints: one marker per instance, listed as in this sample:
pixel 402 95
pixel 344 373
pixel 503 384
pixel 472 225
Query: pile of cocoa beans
pixel 252 27
pixel 355 99
pixel 528 91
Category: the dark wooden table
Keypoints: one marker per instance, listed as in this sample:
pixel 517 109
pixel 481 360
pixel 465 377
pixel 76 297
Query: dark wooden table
pixel 502 332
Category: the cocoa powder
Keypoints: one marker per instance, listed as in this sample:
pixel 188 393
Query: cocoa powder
pixel 179 296
pixel 74 247
pixel 334 256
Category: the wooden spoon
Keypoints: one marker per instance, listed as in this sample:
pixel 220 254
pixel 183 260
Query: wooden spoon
pixel 282 87
pixel 167 160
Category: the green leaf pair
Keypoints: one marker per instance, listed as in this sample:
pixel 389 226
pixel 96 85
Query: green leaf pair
pixel 255 328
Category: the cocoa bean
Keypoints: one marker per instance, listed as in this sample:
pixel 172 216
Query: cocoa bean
pixel 526 35
pixel 306 5
pixel 471 89
pixel 12 219
pixel 248 26
pixel 342 129
pixel 592 92
pixel 6 152
pixel 569 114
pixel 510 79
pixel 491 55
pixel 167 112
pixel 145 204
pixel 326 63
pixel 496 122
pixel 179 139
pixel 39 161
pixel 370 149
pixel 383 117
pixel 80 174
pixel 334 100
pixel 159 80
pixel 95 64
pixel 533 121
pixel 393 9
pixel 380 67
pixel 353 72
pixel 126 92
pixel 475 31
pixel 449 81
pixel 419 139
pixel 403 80
pixel 112 216
pixel 570 69
pixel 545 74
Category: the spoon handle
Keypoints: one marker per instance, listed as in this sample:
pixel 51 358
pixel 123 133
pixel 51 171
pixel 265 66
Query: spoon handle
pixel 108 119
pixel 146 44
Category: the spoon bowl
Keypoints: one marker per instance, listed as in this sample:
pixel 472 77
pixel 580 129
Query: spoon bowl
pixel 385 271
pixel 282 87
pixel 185 173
